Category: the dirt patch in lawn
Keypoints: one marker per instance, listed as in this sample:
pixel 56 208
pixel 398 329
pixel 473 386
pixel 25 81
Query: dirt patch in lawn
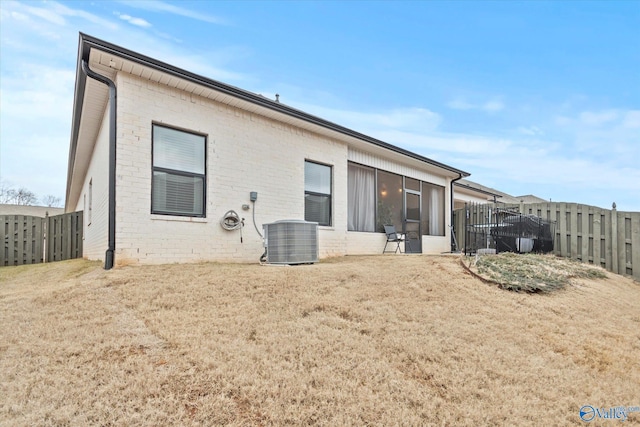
pixel 381 340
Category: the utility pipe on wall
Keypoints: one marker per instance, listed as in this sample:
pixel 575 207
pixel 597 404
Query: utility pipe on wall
pixel 110 253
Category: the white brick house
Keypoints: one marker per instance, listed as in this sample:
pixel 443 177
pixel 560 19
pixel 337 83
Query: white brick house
pixel 187 149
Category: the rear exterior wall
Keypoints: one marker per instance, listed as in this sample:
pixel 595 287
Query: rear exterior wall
pixel 245 152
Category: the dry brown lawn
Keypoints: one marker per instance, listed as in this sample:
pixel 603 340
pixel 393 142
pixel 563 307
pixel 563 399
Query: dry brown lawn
pixel 381 340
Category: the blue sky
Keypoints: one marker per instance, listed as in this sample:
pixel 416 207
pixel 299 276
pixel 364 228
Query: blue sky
pixel 529 97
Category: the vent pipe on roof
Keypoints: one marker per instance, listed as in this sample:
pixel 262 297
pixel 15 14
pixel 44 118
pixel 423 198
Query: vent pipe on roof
pixel 110 253
pixel 277 98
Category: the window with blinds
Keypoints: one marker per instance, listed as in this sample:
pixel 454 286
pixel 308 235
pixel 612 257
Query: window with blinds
pixel 317 193
pixel 179 172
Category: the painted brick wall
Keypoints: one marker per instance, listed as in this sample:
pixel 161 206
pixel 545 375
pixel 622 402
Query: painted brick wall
pixel 245 152
pixel 96 223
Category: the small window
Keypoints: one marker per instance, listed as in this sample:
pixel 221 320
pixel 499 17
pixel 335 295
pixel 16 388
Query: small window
pixel 317 193
pixel 178 183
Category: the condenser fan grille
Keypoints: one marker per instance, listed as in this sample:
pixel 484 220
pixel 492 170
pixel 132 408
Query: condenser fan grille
pixel 291 242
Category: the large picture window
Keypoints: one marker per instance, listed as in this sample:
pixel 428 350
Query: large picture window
pixel 317 193
pixel 179 172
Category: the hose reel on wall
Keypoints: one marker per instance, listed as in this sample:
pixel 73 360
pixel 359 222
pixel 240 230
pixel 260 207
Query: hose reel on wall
pixel 231 221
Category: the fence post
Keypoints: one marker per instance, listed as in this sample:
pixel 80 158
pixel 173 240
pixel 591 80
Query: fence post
pixel 466 225
pixel 614 239
pixel 45 228
pixel 635 245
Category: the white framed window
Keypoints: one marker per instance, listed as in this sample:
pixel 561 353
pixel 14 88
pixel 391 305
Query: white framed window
pixel 178 185
pixel 317 193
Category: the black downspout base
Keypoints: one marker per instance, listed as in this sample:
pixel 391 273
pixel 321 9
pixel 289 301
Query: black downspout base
pixel 108 259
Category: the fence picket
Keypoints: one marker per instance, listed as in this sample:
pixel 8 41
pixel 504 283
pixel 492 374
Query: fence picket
pixel 585 251
pixel 635 243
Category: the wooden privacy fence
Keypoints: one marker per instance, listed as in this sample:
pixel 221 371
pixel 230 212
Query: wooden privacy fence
pixel 603 237
pixel 32 240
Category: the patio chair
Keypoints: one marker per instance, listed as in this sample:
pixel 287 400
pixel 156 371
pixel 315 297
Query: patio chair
pixel 392 237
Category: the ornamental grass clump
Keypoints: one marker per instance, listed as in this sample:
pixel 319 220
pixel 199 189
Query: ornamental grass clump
pixel 531 272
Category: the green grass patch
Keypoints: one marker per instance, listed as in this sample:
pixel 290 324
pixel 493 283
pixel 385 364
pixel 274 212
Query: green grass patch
pixel 532 272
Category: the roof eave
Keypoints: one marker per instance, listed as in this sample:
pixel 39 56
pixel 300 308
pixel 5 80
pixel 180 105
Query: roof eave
pixel 89 42
pixel 478 190
pixel 78 100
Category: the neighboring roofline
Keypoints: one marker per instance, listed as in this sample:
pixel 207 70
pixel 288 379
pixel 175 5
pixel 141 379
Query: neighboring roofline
pixel 86 43
pixel 458 184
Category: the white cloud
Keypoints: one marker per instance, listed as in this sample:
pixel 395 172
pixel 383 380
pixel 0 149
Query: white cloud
pixel 490 106
pixel 530 130
pixel 415 119
pixel 601 147
pixel 38 53
pixel 47 14
pixel 632 119
pixel 79 13
pixel 529 161
pixel 416 129
pixel 56 13
pixel 159 6
pixel 48 93
pixel 589 118
pixel 36 104
pixel 459 104
pixel 23 21
pixel 135 21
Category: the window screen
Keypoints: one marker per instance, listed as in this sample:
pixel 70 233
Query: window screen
pixel 390 205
